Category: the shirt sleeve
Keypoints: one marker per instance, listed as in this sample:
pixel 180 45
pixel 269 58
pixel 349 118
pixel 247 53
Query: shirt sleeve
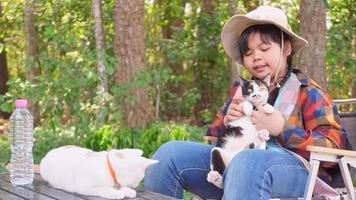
pixel 320 124
pixel 218 125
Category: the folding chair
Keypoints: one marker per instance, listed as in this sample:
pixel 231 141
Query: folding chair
pixel 343 157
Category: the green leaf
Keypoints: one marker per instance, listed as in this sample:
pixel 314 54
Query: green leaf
pixel 6 107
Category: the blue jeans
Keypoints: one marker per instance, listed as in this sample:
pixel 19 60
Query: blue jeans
pixel 252 174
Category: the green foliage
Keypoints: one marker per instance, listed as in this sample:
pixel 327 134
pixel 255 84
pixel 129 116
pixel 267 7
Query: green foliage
pixel 47 139
pixel 160 133
pixel 5 152
pixel 105 138
pixel 110 137
pixel 341 60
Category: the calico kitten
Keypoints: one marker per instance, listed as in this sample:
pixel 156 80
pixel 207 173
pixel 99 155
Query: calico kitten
pixel 241 134
pixel 109 174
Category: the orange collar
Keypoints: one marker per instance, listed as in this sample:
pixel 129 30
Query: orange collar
pixel 112 172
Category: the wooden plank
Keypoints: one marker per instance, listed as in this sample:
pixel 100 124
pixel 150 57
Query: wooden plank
pixel 152 195
pixel 41 187
pixel 39 178
pixel 345 101
pixel 21 191
pixel 337 152
pixel 141 194
pixel 5 195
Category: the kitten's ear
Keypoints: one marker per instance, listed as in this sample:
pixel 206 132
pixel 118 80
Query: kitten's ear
pixel 267 79
pixel 148 162
pixel 242 80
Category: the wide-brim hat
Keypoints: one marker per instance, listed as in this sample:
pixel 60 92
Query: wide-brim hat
pixel 234 27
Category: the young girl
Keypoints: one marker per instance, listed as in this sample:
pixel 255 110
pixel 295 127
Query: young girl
pixel 264 43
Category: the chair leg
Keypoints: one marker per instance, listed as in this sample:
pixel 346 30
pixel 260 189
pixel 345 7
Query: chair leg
pixel 309 188
pixel 347 178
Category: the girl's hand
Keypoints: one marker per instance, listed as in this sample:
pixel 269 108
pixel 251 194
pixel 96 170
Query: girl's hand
pixel 273 122
pixel 235 110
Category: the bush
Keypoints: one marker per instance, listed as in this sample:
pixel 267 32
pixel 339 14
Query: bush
pixel 45 140
pixel 110 137
pixel 5 152
pixel 159 133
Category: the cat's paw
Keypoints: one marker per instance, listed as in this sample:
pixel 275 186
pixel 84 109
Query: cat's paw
pixel 268 108
pixel 215 178
pixel 263 135
pixel 129 193
pixel 119 196
pixel 247 108
pixel 116 194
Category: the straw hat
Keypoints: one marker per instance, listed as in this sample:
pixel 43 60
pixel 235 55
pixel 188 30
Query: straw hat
pixel 231 33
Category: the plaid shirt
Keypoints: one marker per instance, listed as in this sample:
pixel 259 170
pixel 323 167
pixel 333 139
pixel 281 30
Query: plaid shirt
pixel 314 121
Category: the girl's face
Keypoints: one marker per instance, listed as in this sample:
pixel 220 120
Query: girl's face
pixel 261 58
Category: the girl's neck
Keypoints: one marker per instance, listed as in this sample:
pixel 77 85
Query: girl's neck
pixel 282 78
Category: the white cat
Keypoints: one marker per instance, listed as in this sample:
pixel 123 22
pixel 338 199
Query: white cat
pixel 241 134
pixel 108 174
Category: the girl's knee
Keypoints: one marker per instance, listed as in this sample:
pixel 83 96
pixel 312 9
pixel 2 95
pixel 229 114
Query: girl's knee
pixel 173 151
pixel 252 157
pixel 169 148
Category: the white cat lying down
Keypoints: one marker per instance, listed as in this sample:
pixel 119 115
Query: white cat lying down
pixel 109 174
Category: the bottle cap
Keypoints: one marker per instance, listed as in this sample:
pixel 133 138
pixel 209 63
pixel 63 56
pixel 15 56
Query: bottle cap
pixel 21 103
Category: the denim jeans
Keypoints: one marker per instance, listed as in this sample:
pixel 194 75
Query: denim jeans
pixel 252 174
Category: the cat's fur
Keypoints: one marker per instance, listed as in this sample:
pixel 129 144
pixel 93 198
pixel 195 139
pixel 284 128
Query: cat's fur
pixel 86 172
pixel 241 134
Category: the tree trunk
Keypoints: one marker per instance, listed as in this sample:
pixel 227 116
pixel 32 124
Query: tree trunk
pixel 353 80
pixel 4 76
pixel 32 53
pixel 234 66
pixel 313 28
pixel 130 51
pixel 4 72
pixel 100 51
pixel 100 43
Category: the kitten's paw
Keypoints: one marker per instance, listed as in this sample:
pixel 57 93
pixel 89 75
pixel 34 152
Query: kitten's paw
pixel 268 108
pixel 263 135
pixel 215 178
pixel 212 176
pixel 247 108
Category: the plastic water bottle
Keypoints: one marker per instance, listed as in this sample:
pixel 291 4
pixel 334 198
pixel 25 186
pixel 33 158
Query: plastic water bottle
pixel 21 133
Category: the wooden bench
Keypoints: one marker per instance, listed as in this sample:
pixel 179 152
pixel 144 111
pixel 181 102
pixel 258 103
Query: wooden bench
pixel 40 190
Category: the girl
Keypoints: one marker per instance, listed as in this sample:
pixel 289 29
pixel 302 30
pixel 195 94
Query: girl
pixel 264 43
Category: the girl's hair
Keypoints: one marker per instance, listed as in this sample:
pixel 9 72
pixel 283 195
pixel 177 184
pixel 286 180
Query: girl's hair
pixel 267 32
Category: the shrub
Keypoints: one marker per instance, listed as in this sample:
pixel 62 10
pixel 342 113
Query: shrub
pixel 159 133
pixel 110 137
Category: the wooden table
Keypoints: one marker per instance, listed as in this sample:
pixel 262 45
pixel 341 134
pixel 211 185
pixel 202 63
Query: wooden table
pixel 40 190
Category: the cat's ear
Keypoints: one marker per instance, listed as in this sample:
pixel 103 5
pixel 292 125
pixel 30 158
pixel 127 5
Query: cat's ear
pixel 242 80
pixel 148 162
pixel 267 79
